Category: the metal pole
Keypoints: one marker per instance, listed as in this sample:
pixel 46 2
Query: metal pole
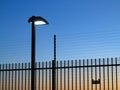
pixel 33 58
pixel 55 48
pixel 54 66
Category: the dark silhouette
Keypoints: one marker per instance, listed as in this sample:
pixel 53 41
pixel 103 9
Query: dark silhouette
pixel 96 81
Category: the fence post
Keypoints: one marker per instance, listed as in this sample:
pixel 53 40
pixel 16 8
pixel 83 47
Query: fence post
pixel 54 66
pixel 53 75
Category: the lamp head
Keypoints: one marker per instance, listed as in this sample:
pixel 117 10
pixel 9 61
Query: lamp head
pixel 37 20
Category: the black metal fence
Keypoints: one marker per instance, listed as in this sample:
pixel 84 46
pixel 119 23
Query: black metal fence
pixel 89 74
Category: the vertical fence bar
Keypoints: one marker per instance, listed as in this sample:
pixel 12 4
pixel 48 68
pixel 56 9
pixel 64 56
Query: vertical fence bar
pixel 108 72
pixel 91 75
pixel 35 76
pixel 50 76
pixel 9 86
pixel 76 73
pixel 112 72
pixel 3 77
pixel 68 75
pixel 19 77
pixel 104 73
pixel 25 74
pixel 57 75
pixel 87 75
pixel 39 78
pixel 72 73
pixel 100 72
pixel 22 78
pixel 80 75
pixel 116 75
pixel 12 78
pixel 29 76
pixel 6 79
pixel 0 77
pixel 42 76
pixel 83 74
pixel 95 74
pixel 60 75
pixel 64 75
pixel 46 75
pixel 15 76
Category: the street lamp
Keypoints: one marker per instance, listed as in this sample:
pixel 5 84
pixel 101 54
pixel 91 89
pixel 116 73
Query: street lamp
pixel 34 20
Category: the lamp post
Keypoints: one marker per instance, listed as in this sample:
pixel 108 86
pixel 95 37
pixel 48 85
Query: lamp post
pixel 34 20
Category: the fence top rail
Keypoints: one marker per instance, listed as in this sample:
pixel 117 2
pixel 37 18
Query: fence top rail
pixel 100 62
pixel 62 67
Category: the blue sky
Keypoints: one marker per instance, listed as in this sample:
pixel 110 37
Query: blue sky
pixel 84 29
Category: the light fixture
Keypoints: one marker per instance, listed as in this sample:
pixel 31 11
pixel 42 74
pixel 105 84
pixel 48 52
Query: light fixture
pixel 37 20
